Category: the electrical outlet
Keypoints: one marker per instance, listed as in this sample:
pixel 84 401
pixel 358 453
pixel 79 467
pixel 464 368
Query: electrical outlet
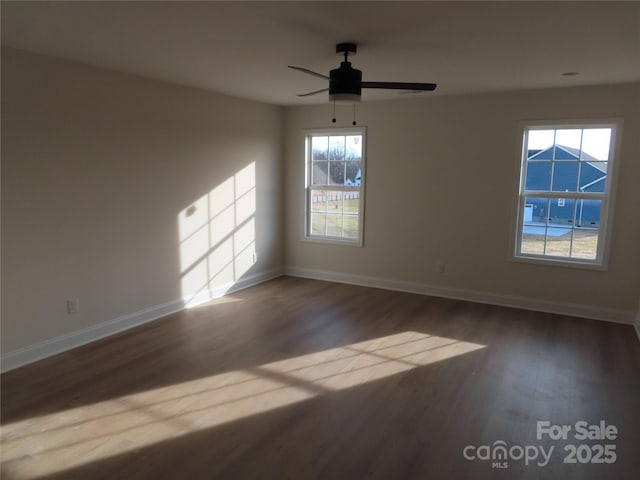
pixel 255 257
pixel 439 267
pixel 73 306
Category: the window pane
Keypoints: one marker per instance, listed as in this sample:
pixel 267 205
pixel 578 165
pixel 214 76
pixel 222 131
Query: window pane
pixel 351 202
pixel 539 143
pixel 565 154
pixel 558 242
pixel 318 222
pixel 350 226
pixel 334 225
pixel 538 176
pixel 585 243
pixel 318 200
pixel 334 202
pixel 535 211
pixel 593 176
pixel 528 213
pixel 320 148
pixel 588 213
pixel 320 172
pixel 353 147
pixel 336 148
pixel 561 212
pixel 353 174
pixel 568 143
pixel 533 240
pixel 565 177
pixel 336 173
pixel 595 144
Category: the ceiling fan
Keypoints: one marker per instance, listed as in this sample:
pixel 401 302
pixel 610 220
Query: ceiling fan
pixel 345 82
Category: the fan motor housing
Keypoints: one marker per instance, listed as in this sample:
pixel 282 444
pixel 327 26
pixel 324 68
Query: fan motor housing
pixel 345 84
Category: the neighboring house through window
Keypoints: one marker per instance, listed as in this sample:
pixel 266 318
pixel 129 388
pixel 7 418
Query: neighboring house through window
pixel 334 185
pixel 565 195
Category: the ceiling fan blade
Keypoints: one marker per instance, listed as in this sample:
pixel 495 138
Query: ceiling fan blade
pixel 312 93
pixel 422 87
pixel 310 72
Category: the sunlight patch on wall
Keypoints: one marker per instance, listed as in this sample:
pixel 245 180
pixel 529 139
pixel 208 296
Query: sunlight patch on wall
pixel 217 238
pixel 38 447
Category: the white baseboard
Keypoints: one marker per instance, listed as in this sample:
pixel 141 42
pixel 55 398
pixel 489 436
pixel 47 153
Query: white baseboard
pixel 222 290
pixel 53 346
pixel 48 348
pixel 577 310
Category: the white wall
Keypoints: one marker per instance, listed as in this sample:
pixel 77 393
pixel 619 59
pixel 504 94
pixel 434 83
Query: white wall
pixel 107 177
pixel 440 183
pixel 99 168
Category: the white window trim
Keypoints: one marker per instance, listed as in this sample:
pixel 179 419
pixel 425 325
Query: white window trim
pixel 306 236
pixel 601 261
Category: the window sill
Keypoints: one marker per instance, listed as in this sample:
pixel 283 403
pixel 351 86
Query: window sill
pixel 333 241
pixel 559 262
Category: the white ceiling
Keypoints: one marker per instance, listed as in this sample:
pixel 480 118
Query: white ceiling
pixel 243 48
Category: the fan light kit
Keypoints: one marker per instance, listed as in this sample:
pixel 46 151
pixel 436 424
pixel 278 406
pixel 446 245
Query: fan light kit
pixel 345 82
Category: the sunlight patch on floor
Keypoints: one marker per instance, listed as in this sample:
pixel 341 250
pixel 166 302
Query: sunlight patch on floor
pixel 40 446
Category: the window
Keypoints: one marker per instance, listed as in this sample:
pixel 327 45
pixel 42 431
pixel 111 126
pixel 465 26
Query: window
pixel 334 185
pixel 565 195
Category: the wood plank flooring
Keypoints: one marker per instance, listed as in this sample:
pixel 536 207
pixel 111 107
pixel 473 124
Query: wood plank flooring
pixel 302 379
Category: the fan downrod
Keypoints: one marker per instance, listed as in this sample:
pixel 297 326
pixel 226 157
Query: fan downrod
pixel 346 48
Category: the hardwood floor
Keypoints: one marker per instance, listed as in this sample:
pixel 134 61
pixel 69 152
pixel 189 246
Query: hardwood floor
pixel 302 379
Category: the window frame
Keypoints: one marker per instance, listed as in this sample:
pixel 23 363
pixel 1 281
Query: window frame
pixel 607 197
pixel 308 186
